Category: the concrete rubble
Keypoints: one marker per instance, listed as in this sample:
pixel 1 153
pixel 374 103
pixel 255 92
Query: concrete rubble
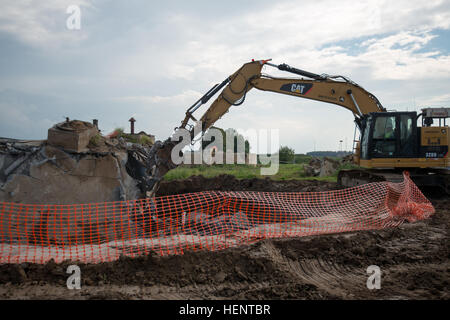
pixel 76 165
pixel 321 167
pixel 44 174
pixel 72 135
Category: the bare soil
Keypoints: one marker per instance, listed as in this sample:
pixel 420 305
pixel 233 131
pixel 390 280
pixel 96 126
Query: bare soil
pixel 226 182
pixel 414 260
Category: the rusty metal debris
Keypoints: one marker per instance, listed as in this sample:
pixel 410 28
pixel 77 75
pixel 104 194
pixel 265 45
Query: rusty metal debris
pixel 149 165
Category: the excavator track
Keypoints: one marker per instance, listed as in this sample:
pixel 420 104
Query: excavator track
pixel 424 179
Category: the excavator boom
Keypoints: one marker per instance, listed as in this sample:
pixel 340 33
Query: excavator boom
pixel 329 89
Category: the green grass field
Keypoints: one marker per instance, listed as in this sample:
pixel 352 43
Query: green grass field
pixel 241 171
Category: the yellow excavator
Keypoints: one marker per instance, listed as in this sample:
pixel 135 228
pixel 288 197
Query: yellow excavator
pixel 389 142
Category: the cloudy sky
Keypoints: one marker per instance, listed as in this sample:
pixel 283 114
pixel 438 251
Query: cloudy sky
pixel 153 59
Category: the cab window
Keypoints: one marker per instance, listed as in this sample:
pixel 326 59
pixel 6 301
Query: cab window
pixel 384 137
pixel 384 128
pixel 407 141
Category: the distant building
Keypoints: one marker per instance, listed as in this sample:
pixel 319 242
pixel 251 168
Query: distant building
pixel 339 154
pixel 197 157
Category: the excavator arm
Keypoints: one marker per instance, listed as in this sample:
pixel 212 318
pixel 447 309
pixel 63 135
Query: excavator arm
pixel 337 90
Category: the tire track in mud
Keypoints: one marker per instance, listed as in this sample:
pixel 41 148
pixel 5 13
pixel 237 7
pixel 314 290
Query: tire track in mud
pixel 326 275
pixel 413 260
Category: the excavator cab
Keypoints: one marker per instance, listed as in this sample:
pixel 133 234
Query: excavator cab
pixel 389 135
pixel 394 140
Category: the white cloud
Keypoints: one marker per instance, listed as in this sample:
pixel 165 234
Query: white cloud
pixel 442 100
pixel 23 115
pixel 398 57
pixel 304 34
pixel 184 97
pixel 40 23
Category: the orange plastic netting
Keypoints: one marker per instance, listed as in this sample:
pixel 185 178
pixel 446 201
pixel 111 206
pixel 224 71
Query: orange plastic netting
pixel 214 220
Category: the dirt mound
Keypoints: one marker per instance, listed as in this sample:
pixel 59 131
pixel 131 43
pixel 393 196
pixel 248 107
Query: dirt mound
pixel 75 125
pixel 230 183
pixel 321 167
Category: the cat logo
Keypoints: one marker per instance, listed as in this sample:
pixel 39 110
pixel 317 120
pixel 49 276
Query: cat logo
pixel 296 87
pixel 300 88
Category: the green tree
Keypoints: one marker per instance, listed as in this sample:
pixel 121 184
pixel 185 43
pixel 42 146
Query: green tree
pixel 286 154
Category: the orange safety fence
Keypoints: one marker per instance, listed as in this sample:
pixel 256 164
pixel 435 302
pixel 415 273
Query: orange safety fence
pixel 213 220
